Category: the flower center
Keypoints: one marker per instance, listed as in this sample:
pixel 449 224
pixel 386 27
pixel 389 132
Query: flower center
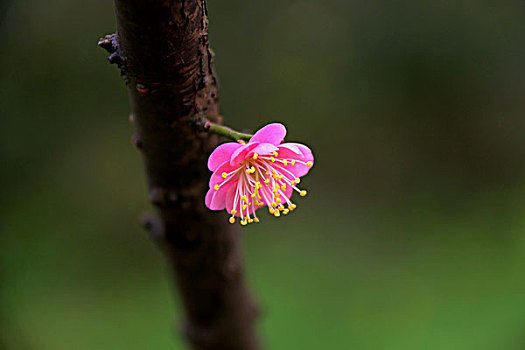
pixel 263 180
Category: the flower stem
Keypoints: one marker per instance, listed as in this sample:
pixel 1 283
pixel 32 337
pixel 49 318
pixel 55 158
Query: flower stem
pixel 226 132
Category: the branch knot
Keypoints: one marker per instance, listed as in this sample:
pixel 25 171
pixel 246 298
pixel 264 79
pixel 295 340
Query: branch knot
pixel 110 44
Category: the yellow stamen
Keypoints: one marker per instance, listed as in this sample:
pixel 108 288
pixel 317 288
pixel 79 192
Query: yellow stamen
pixel 293 161
pixel 255 155
pixel 271 210
pixel 243 222
pixel 278 200
pixel 232 220
pixel 285 162
pixel 233 212
pixel 216 187
pixel 292 206
pixel 277 213
pixel 302 193
pixel 256 219
pixel 309 163
pixel 272 159
pixel 275 153
pixel 244 207
pixel 224 175
pixel 286 211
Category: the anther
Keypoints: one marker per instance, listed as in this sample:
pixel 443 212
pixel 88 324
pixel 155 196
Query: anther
pixel 255 155
pixel 302 193
pixel 224 175
pixel 232 220
pixel 309 163
pixel 216 187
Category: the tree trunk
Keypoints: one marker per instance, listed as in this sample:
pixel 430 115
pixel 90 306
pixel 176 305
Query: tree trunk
pixel 162 49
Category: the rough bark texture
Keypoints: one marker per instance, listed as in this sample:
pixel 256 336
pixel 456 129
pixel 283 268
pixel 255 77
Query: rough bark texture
pixel 161 47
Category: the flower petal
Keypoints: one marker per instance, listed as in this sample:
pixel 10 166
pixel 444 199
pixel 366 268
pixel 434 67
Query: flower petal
pixel 230 196
pixel 272 133
pixel 216 200
pixel 222 154
pixel 262 149
pixel 291 147
pixel 241 153
pixel 216 177
pixel 305 151
pixel 297 169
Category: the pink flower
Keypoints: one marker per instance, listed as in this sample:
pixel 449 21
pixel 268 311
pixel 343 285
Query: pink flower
pixel 262 172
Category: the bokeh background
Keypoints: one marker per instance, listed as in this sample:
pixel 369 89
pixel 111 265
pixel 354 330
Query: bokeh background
pixel 413 232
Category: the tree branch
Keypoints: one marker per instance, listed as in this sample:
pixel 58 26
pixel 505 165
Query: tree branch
pixel 162 49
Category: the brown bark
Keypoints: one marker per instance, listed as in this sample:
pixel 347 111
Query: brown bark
pixel 162 49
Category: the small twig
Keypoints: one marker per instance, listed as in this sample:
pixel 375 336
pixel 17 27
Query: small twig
pixel 205 124
pixel 226 132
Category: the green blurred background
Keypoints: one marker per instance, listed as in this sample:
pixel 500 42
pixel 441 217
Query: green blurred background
pixel 413 232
